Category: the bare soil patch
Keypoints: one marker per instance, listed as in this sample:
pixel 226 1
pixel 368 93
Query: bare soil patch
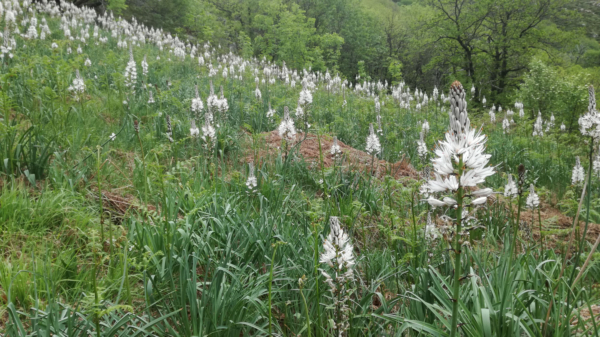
pixel 308 148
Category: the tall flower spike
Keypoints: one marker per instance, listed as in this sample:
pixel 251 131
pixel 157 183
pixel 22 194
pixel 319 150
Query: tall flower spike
pixel 144 66
pixel 130 70
pixel 194 131
pixel 335 150
pixel 511 190
pixel 596 164
pixel 421 146
pixel 78 86
pixel 533 200
pixel 589 124
pixel 197 105
pixel 287 129
pixel 431 232
pixel 251 182
pixel 150 97
pixel 338 255
pixel 379 128
pixel 257 92
pixel 373 146
pixel 459 121
pixel 505 125
pixel 209 134
pixel 270 112
pixel 461 143
pixel 578 175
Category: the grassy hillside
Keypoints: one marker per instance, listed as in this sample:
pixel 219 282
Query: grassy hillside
pixel 151 187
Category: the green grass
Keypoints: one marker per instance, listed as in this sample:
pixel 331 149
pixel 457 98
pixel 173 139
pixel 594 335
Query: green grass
pixel 182 248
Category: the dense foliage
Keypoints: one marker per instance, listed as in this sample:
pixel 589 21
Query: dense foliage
pixel 487 43
pixel 153 185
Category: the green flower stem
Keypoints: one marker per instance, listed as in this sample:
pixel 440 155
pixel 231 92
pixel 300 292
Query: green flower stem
pixel 457 252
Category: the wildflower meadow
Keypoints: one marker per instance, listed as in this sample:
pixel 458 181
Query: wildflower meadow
pixel 152 184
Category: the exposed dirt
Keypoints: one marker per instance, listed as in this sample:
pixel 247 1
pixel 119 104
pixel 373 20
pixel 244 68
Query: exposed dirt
pixel 352 158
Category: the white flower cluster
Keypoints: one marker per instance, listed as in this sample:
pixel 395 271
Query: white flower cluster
pixel 209 134
pixel 130 71
pixel 150 97
pixel 421 146
pixel 287 129
pixel 589 124
pixel 78 86
pixel 251 182
pixel 578 175
pixel 373 146
pixel 533 200
pixel 431 231
pixel 505 125
pixel 425 128
pixel 270 112
pixel 223 106
pixel 462 146
pixel 335 150
pixel 510 189
pixel 492 115
pixel 145 66
pixel 197 105
pixel 519 105
pixel 305 97
pixel 338 255
pixel 194 131
pixel 538 126
pixel 257 93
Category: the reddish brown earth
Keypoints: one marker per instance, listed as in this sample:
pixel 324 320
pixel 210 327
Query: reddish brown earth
pixel 353 159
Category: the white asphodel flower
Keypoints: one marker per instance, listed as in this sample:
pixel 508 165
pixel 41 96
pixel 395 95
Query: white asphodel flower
pixel 257 93
pixel 563 128
pixel 421 146
pixel 305 97
pixel 431 231
pixel 287 128
pixel 270 112
pixel 537 126
pixel 589 124
pixel 112 137
pixel 209 134
pixel 578 175
pixel 87 62
pixel 194 131
pixel 483 101
pixel 492 116
pixel 251 182
pixel 197 105
pixel 335 149
pixel 511 190
pixel 130 71
pixel 150 98
pixel 505 125
pixel 425 128
pixel 145 66
pixel 461 144
pixel 533 200
pixel 78 86
pixel 373 145
pixel 338 255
